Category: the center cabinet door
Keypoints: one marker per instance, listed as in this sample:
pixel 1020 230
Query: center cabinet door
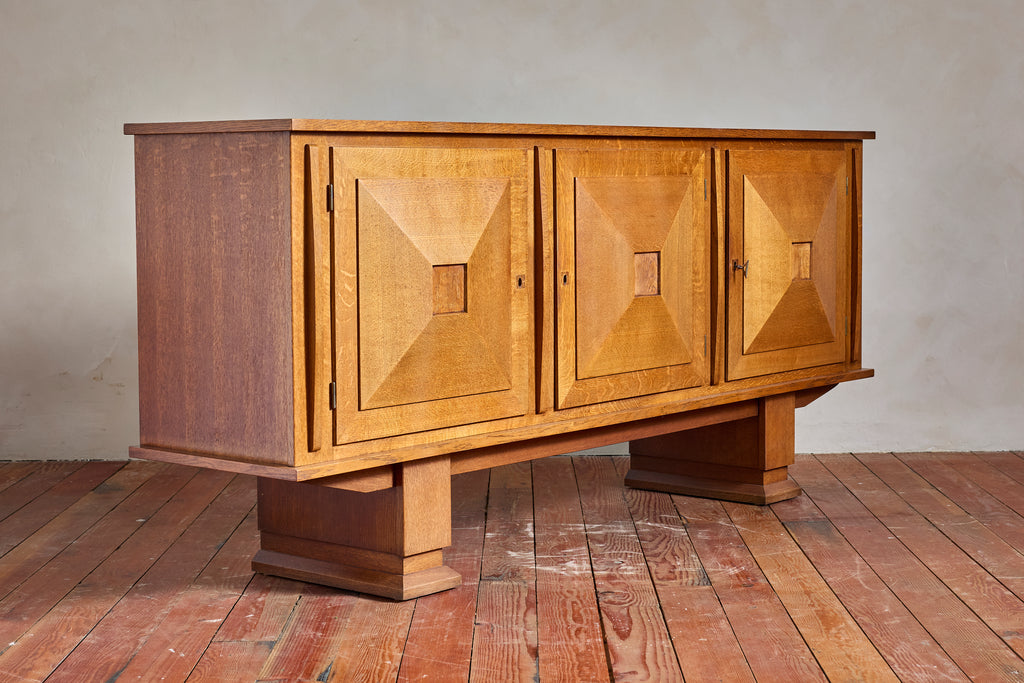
pixel 632 239
pixel 432 306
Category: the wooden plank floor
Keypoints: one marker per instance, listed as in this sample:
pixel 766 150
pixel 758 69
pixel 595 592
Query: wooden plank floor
pixel 890 567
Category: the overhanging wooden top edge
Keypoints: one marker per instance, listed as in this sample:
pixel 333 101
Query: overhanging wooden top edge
pixel 457 128
pixel 251 126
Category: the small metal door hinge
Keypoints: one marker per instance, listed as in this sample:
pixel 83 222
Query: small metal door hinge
pixel 847 185
pixel 705 346
pixel 332 393
pixel 330 198
pixel 705 189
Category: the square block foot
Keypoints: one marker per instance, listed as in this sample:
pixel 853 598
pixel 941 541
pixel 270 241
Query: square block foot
pixel 383 584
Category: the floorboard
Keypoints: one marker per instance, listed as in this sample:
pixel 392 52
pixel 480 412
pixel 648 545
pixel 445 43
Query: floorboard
pixel 37 483
pixel 505 633
pixel 569 620
pixel 971 643
pixel 636 635
pixel 692 609
pixel 907 647
pixel 440 639
pixel 890 567
pixel 999 558
pixel 31 517
pixel 773 647
pixel 833 636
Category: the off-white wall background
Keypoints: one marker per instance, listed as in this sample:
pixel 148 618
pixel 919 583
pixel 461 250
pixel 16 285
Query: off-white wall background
pixel 941 81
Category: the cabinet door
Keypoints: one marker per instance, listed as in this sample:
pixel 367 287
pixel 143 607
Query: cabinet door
pixel 432 304
pixel 632 235
pixel 788 270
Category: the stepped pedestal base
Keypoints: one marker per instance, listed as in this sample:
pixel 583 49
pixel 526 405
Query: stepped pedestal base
pixel 383 534
pixel 386 542
pixel 743 460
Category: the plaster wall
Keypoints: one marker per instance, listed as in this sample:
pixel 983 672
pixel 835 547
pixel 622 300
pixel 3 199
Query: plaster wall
pixel 939 80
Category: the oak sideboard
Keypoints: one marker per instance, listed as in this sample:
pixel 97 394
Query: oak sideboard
pixel 354 311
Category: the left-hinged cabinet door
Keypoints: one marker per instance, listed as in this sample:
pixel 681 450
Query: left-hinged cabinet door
pixel 431 296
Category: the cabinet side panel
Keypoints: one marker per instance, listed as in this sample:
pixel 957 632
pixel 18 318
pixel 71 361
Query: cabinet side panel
pixel 214 291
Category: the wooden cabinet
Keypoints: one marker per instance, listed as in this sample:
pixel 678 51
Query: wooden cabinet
pixel 354 311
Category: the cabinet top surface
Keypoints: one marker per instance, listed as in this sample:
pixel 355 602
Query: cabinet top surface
pixel 450 128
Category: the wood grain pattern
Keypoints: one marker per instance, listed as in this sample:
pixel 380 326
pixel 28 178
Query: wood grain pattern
pixel 557 444
pixel 23 560
pixel 611 208
pixel 599 425
pixel 23 491
pixel 119 634
pixel 972 645
pixel 719 269
pixel 449 289
pixel 214 282
pixel 647 273
pixel 322 611
pixel 1009 463
pixel 545 279
pixel 263 611
pixel 316 310
pixel 998 557
pixel 318 533
pixel 997 515
pixel 801 261
pixel 438 158
pixel 239 660
pixel 441 634
pixel 704 642
pixel 568 618
pixel 62 607
pixel 407 353
pixel 857 251
pixel 372 642
pixel 187 628
pixel 410 210
pixel 42 582
pixel 743 460
pixel 398 281
pixel 715 570
pixel 833 636
pixel 991 480
pixel 976 587
pixel 911 652
pixel 505 635
pixel 49 503
pixel 638 641
pixel 772 645
pixel 778 319
pixel 13 472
